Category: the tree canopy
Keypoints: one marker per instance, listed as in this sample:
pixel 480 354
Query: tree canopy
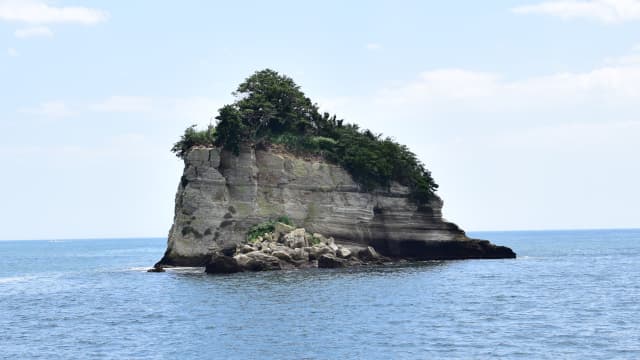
pixel 270 108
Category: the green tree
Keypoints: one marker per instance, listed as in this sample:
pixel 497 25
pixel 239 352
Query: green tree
pixel 231 131
pixel 270 103
pixel 193 137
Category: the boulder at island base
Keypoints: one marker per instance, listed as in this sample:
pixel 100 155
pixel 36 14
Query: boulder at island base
pixel 222 264
pixel 330 261
pixel 267 254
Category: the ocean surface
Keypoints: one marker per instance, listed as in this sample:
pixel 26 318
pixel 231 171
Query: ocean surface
pixel 569 295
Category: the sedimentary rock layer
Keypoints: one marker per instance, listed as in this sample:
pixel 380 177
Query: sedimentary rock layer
pixel 221 195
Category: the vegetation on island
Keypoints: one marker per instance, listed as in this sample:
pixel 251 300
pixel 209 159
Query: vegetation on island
pixel 266 227
pixel 271 109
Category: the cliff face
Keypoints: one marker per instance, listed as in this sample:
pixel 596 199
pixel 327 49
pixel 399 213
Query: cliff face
pixel 221 195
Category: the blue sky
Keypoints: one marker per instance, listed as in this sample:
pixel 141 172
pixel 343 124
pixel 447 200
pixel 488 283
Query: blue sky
pixel 525 111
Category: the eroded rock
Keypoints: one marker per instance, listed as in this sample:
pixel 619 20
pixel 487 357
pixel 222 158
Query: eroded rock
pixel 300 254
pixel 221 195
pixel 259 261
pixel 284 256
pixel 368 254
pixel 247 249
pixel 318 250
pixel 343 252
pixel 296 239
pixel 157 269
pixel 281 229
pixel 293 252
pixel 222 264
pixel 330 261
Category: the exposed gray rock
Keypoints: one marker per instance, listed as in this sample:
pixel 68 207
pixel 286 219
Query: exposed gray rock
pixel 318 250
pixel 242 260
pixel 284 256
pixel 300 254
pixel 333 247
pixel 222 195
pixel 343 252
pixel 259 261
pixel 368 254
pixel 296 239
pixel 330 261
pixel 247 249
pixel 281 229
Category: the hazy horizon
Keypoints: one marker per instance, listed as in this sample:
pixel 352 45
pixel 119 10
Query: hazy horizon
pixel 467 231
pixel 525 111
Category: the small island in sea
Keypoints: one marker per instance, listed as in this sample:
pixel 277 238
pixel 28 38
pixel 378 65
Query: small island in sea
pixel 276 184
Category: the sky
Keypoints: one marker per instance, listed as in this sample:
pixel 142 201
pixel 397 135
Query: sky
pixel 526 112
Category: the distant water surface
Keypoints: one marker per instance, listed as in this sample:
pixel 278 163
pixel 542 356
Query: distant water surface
pixel 569 295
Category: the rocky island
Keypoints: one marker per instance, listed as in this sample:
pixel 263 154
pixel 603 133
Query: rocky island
pixel 276 185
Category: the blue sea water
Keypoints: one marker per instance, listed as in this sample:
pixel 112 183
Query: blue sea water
pixel 569 295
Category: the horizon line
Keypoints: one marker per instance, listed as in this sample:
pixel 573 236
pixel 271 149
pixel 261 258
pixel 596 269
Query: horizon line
pixel 466 231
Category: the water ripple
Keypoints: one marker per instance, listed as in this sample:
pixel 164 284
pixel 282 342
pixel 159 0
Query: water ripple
pixel 569 295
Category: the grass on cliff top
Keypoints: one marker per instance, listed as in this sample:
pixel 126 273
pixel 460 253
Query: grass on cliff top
pixel 271 109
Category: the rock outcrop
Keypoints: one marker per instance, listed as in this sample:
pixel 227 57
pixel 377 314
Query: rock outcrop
pixel 276 250
pixel 222 195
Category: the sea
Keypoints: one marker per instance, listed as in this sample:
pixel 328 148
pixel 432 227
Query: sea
pixel 568 295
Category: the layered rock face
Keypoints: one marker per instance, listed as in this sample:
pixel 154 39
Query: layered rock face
pixel 222 195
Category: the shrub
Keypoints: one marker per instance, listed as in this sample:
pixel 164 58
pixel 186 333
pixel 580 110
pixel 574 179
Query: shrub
pixel 193 137
pixel 259 229
pixel 266 227
pixel 285 220
pixel 315 240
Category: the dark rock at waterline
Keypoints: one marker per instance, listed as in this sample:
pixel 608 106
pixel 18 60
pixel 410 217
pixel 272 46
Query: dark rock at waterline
pixel 222 264
pixel 170 261
pixel 330 261
pixel 253 261
pixel 229 249
pixel 262 262
pixel 368 254
pixel 450 250
pixel 156 268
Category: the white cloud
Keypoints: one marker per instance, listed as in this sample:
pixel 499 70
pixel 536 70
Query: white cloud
pixel 636 47
pixel 123 104
pixel 373 46
pixel 617 84
pixel 35 31
pixel 443 83
pixel 633 59
pixel 191 110
pixel 51 109
pixel 12 52
pixel 571 136
pixel 39 12
pixel 606 11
